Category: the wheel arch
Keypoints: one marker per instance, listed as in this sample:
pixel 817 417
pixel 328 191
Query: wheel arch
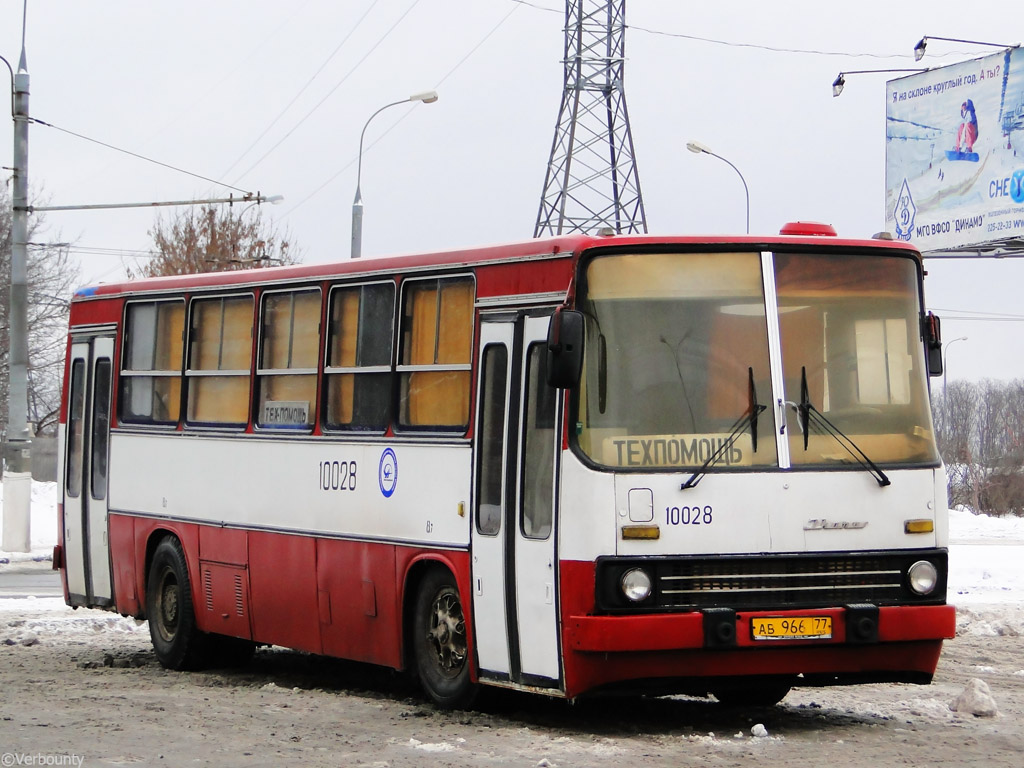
pixel 189 546
pixel 415 571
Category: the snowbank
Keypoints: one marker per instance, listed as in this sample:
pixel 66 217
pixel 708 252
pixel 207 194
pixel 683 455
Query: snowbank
pixel 43 524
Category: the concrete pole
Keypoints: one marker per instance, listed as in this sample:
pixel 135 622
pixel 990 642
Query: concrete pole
pixel 18 450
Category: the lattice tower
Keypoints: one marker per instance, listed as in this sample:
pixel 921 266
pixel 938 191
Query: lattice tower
pixel 592 181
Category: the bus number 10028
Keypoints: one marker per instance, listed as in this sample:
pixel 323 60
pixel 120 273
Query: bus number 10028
pixel 337 475
pixel 689 515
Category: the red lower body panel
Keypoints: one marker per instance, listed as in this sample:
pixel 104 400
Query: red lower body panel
pixel 607 651
pixel 327 596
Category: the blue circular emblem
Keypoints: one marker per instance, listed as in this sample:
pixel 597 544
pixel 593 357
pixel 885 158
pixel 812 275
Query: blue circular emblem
pixel 387 472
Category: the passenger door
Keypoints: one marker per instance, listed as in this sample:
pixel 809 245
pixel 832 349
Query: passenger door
pixel 86 533
pixel 514 528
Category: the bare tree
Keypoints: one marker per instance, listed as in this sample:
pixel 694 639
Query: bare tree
pixel 215 238
pixel 980 431
pixel 51 277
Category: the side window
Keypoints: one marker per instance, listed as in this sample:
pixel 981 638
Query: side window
pixel 539 448
pixel 100 428
pixel 491 440
pixel 357 376
pixel 219 360
pixel 290 343
pixel 151 370
pixel 76 428
pixel 437 342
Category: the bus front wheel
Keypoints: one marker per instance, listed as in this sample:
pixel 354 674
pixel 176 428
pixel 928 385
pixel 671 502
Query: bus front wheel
pixel 177 641
pixel 440 642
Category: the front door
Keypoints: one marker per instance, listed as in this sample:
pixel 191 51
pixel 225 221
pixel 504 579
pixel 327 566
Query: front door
pixel 514 528
pixel 86 544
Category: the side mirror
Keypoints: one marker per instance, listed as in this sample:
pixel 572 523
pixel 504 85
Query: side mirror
pixel 933 344
pixel 565 348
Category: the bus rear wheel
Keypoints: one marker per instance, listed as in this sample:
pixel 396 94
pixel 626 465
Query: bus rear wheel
pixel 177 641
pixel 440 642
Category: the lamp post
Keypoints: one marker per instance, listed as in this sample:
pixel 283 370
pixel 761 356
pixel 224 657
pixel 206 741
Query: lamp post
pixel 428 97
pixel 923 43
pixel 17 491
pixel 945 360
pixel 701 149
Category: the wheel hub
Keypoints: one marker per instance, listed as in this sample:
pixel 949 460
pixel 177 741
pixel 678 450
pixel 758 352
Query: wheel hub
pixel 447 633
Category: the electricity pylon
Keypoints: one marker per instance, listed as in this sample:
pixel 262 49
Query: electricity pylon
pixel 592 181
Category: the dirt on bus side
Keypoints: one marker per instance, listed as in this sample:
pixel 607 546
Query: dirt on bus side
pixel 84 687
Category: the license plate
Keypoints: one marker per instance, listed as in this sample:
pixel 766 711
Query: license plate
pixel 792 628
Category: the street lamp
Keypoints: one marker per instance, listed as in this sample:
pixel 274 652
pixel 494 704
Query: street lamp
pixel 428 97
pixel 945 366
pixel 923 43
pixel 701 149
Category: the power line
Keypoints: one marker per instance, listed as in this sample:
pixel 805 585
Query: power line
pixel 331 92
pixel 37 121
pixel 990 319
pixel 756 46
pixel 395 124
pixel 302 90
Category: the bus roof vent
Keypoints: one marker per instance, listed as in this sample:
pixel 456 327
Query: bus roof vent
pixel 812 228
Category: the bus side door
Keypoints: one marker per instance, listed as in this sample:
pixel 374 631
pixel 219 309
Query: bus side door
pixel 86 545
pixel 514 558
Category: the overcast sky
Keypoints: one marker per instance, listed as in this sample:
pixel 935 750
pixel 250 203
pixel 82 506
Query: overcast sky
pixel 271 97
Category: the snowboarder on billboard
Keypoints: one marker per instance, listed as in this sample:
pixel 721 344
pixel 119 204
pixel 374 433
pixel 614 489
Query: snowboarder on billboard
pixel 966 135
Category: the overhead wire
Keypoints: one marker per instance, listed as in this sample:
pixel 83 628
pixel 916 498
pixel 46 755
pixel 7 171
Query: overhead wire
pixel 756 46
pixel 395 124
pixel 37 121
pixel 303 89
pixel 330 93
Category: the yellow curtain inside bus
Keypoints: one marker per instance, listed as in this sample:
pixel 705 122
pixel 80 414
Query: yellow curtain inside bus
pixel 441 333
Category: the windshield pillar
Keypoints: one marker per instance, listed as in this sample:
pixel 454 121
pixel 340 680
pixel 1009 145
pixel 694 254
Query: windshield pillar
pixel 778 403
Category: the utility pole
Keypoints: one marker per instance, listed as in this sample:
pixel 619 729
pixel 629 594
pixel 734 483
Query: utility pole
pixel 18 445
pixel 592 181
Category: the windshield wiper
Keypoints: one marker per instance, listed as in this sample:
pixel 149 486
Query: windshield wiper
pixel 823 426
pixel 748 419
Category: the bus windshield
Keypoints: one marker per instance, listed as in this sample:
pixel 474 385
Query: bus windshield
pixel 678 374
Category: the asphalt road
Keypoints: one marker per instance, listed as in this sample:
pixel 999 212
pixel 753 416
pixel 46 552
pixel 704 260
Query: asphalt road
pixel 20 580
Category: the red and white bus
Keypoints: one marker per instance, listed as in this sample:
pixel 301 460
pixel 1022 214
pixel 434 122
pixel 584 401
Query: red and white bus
pixel 576 465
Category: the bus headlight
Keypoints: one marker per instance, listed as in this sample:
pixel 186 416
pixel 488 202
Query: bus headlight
pixel 923 577
pixel 636 584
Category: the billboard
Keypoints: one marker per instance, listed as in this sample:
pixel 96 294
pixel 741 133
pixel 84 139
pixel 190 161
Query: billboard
pixel 954 154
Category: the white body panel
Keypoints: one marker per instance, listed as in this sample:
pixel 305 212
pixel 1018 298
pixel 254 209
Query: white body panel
pixel 278 485
pixel 781 512
pixel 587 525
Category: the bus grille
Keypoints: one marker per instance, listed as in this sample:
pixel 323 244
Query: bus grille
pixel 768 582
pixel 771 582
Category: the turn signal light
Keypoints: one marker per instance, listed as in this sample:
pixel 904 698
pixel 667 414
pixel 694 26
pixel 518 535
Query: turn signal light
pixel 641 532
pixel 918 526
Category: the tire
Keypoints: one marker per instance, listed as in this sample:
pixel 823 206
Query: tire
pixel 440 642
pixel 177 641
pixel 756 695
